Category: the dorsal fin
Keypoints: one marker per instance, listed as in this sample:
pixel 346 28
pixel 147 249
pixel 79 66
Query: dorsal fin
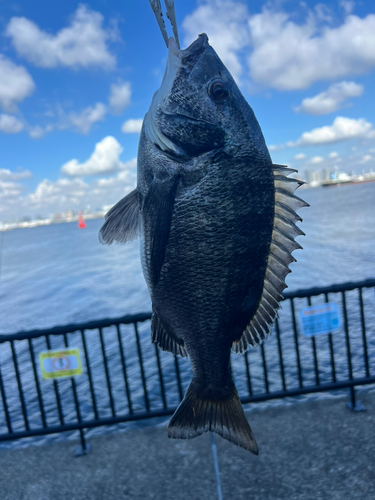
pixel 280 256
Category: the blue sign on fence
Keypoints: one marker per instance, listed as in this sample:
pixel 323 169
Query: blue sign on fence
pixel 316 320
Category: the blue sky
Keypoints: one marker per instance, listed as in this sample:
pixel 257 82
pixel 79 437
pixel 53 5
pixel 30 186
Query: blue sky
pixel 77 78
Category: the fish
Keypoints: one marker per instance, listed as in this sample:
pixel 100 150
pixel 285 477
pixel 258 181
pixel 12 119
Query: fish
pixel 217 224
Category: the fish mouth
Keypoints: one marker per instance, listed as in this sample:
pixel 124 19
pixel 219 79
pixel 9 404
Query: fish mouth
pixel 191 54
pixel 197 47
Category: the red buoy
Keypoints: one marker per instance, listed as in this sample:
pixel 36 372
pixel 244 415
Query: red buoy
pixel 81 222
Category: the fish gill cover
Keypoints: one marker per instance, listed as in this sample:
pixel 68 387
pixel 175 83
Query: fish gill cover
pixel 216 220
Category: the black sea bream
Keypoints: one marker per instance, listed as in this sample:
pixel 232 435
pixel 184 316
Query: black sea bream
pixel 217 225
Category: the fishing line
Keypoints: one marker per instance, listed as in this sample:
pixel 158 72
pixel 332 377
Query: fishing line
pixel 216 463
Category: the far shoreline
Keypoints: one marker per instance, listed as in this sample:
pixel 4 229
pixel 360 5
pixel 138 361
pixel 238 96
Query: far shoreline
pixel 49 221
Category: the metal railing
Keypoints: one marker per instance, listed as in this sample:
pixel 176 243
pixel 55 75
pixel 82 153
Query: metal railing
pixel 126 378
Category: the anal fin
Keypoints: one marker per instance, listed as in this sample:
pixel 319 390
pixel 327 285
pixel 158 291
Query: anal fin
pixel 165 340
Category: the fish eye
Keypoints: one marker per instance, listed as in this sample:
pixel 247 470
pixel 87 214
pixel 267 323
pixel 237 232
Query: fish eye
pixel 218 91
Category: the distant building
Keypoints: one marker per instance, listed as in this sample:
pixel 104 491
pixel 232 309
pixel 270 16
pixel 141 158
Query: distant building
pixel 326 174
pixel 313 178
pixel 309 176
pixel 343 176
pixel 317 177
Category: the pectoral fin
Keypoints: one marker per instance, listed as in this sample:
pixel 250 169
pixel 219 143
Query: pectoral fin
pixel 156 218
pixel 122 221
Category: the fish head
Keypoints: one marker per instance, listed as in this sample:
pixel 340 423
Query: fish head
pixel 199 108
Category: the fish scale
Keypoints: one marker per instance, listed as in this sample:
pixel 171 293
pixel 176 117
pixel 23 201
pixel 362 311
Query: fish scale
pixel 221 239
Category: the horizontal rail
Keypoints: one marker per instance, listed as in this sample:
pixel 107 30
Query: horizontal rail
pixel 141 317
pixel 74 327
pixel 342 287
pixel 309 389
pixel 256 398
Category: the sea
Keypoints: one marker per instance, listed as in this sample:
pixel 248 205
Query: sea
pixel 60 274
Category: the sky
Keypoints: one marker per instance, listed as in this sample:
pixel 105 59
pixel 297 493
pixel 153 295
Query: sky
pixel 76 80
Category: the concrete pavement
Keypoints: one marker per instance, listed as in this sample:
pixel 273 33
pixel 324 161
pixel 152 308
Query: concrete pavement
pixel 315 450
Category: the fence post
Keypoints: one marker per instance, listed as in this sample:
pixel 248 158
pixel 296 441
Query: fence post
pixel 354 405
pixel 83 448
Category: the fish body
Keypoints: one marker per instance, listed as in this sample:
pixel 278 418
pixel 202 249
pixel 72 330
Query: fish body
pixel 216 221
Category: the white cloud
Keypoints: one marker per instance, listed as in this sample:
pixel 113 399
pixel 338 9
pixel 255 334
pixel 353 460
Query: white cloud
pixel 10 124
pixel 11 199
pixel 316 159
pixel 63 194
pixel 365 159
pixel 37 132
pixel 8 175
pixel 331 99
pixel 132 126
pixel 342 129
pixel 10 196
pixel 15 84
pixel 57 193
pixel 288 56
pixel 299 156
pixel 333 154
pixel 84 120
pixel 347 6
pixel 80 121
pixel 82 44
pixel 9 190
pixel 119 97
pixel 323 13
pixel 104 160
pixel 225 24
pixel 281 52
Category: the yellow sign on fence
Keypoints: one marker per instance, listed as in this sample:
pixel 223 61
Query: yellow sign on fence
pixel 63 363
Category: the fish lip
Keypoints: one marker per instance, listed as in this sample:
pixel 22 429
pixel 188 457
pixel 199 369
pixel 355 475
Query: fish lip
pixel 172 46
pixel 188 56
pixel 197 47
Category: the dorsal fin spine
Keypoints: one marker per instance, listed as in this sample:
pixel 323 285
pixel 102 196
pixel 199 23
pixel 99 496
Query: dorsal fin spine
pixel 280 257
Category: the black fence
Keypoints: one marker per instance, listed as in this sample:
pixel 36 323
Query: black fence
pixel 126 378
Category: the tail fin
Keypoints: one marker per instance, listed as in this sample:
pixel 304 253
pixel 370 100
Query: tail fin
pixel 194 416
